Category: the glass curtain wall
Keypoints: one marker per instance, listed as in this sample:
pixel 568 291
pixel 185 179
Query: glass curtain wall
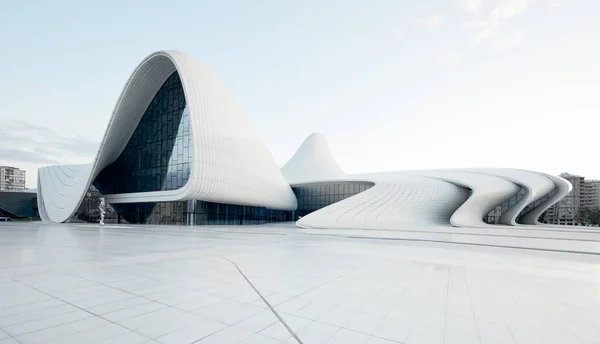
pixel 208 213
pixel 89 209
pixel 537 203
pixel 312 197
pixel 177 213
pixel 158 155
pixel 494 215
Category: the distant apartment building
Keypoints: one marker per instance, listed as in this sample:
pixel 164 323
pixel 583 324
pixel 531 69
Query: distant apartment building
pixel 569 210
pixel 590 194
pixel 11 179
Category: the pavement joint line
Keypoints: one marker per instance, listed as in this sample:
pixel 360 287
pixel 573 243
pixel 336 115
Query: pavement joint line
pixel 473 244
pixel 290 330
pixel 81 309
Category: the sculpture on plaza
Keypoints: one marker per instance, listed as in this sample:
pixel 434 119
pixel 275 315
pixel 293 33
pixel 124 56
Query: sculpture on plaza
pixel 102 210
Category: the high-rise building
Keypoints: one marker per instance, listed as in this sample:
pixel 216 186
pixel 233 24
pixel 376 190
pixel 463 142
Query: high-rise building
pixel 590 194
pixel 11 179
pixel 570 210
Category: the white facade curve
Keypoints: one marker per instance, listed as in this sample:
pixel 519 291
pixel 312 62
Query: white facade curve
pixel 396 201
pixel 227 164
pixel 562 189
pixel 231 164
pixel 313 161
pixel 536 186
pixel 487 192
pixel 60 190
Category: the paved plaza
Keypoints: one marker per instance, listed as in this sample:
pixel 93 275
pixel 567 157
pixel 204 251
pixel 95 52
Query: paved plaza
pixel 84 283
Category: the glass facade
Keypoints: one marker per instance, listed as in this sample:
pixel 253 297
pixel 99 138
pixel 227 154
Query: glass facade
pixel 167 213
pixel 310 198
pixel 177 213
pixel 208 213
pixel 316 196
pixel 158 155
pixel 89 210
pixel 494 215
pixel 537 203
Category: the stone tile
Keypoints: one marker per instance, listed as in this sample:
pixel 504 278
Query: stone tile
pixel 192 333
pixel 229 335
pixel 95 335
pixel 258 339
pixel 317 333
pixel 167 285
pixel 40 324
pixel 344 336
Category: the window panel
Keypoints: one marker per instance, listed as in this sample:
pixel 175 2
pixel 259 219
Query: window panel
pixel 158 148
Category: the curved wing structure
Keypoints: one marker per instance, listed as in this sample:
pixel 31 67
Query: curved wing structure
pixel 536 186
pixel 411 199
pixel 230 162
pixel 487 192
pixel 562 188
pixel 60 190
pixel 396 201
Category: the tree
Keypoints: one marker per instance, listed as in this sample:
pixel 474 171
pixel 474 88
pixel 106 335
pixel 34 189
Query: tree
pixel 591 216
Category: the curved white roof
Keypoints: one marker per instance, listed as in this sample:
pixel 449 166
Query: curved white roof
pixel 410 199
pixel 230 162
pixel 313 161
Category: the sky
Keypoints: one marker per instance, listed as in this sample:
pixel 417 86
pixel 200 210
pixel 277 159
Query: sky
pixel 391 84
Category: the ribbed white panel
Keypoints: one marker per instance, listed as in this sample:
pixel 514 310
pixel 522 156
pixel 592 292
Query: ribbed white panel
pixel 231 164
pixel 60 189
pixel 396 201
pixel 488 191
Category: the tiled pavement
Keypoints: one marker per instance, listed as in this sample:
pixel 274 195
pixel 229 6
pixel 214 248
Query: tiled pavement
pixel 155 284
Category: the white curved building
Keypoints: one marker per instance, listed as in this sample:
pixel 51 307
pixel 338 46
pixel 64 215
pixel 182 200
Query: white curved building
pixel 176 134
pixel 179 149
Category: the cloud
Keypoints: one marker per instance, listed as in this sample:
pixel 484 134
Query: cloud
pixel 21 155
pixel 507 9
pixel 448 59
pixel 470 6
pixel 512 8
pixel 510 42
pixel 30 143
pixel 432 21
